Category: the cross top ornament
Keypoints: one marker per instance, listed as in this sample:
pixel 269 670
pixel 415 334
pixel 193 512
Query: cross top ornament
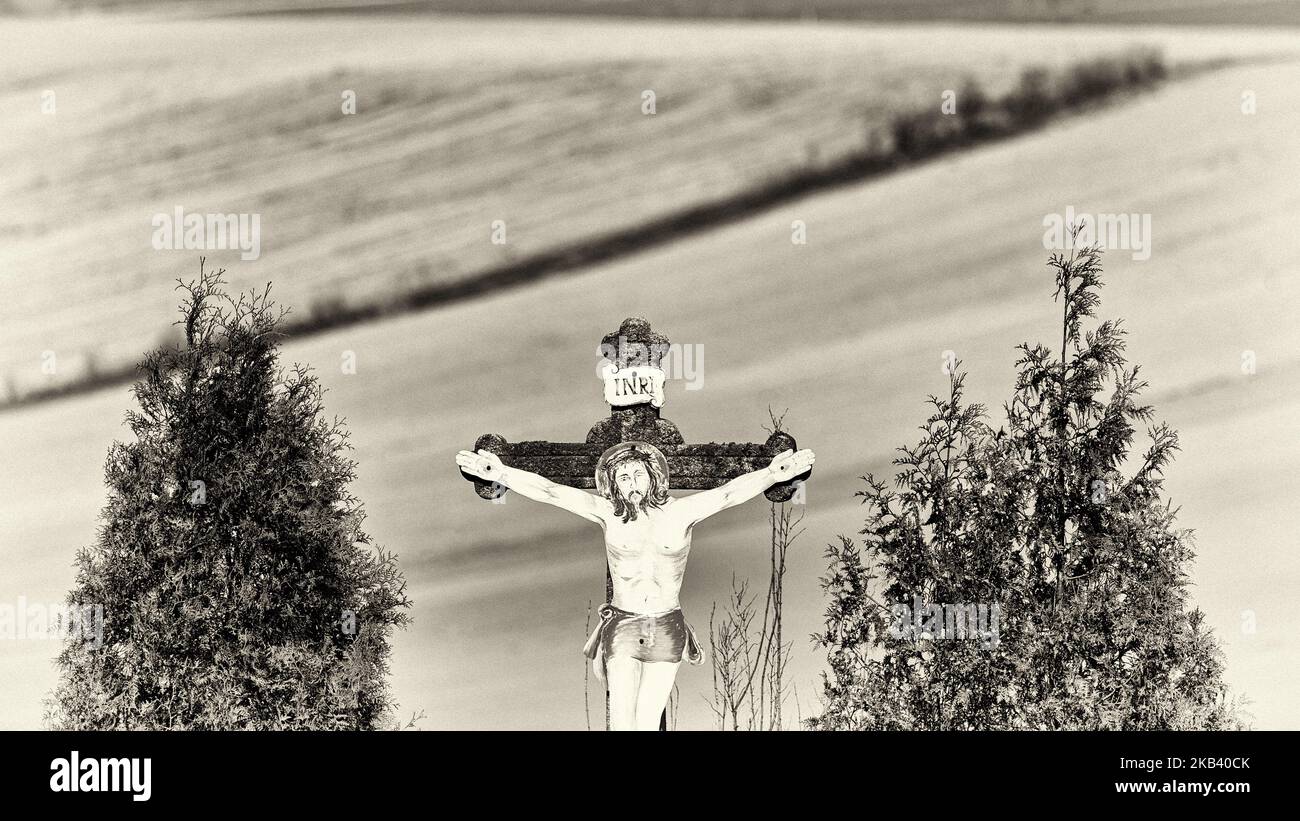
pixel 634 343
pixel 633 371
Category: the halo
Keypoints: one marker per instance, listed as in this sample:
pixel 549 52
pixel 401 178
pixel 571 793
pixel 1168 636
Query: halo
pixel 602 485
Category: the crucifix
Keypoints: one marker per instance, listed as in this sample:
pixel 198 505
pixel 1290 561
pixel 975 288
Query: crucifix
pixel 631 460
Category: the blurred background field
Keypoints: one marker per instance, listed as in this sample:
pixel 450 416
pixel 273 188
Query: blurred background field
pixel 537 121
pixel 460 122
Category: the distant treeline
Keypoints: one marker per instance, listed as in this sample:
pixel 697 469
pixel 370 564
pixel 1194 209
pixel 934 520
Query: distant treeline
pixel 968 118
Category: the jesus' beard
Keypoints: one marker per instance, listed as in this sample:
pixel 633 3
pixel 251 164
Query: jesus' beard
pixel 636 500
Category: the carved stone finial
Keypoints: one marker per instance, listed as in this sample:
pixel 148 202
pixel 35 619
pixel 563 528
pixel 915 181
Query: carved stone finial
pixel 634 343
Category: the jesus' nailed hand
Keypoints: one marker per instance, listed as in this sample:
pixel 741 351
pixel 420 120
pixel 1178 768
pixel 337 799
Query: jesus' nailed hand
pixel 643 636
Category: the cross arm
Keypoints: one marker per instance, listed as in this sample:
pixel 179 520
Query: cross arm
pixel 690 467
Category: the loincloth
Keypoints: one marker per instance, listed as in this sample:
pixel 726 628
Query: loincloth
pixel 651 637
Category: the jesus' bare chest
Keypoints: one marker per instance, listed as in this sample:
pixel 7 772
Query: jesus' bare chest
pixel 656 539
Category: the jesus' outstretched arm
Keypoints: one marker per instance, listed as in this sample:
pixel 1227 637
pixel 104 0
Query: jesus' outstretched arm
pixel 488 466
pixel 785 466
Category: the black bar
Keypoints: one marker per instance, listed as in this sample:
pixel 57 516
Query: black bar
pixel 429 771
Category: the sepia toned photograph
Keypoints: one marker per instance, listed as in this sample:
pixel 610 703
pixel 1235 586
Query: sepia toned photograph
pixel 673 365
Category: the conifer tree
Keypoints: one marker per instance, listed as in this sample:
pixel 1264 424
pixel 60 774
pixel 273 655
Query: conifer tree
pixel 238 588
pixel 1057 520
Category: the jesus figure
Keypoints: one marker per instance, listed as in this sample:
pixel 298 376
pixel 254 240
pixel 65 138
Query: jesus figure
pixel 642 637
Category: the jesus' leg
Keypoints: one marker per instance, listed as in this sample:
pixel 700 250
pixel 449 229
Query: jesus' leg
pixel 624 675
pixel 656 683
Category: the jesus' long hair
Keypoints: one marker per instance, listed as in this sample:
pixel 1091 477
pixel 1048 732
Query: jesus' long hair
pixel 657 495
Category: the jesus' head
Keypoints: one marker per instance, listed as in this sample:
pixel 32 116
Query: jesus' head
pixel 633 476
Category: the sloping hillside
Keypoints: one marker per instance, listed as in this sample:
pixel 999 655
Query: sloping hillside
pixel 533 126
